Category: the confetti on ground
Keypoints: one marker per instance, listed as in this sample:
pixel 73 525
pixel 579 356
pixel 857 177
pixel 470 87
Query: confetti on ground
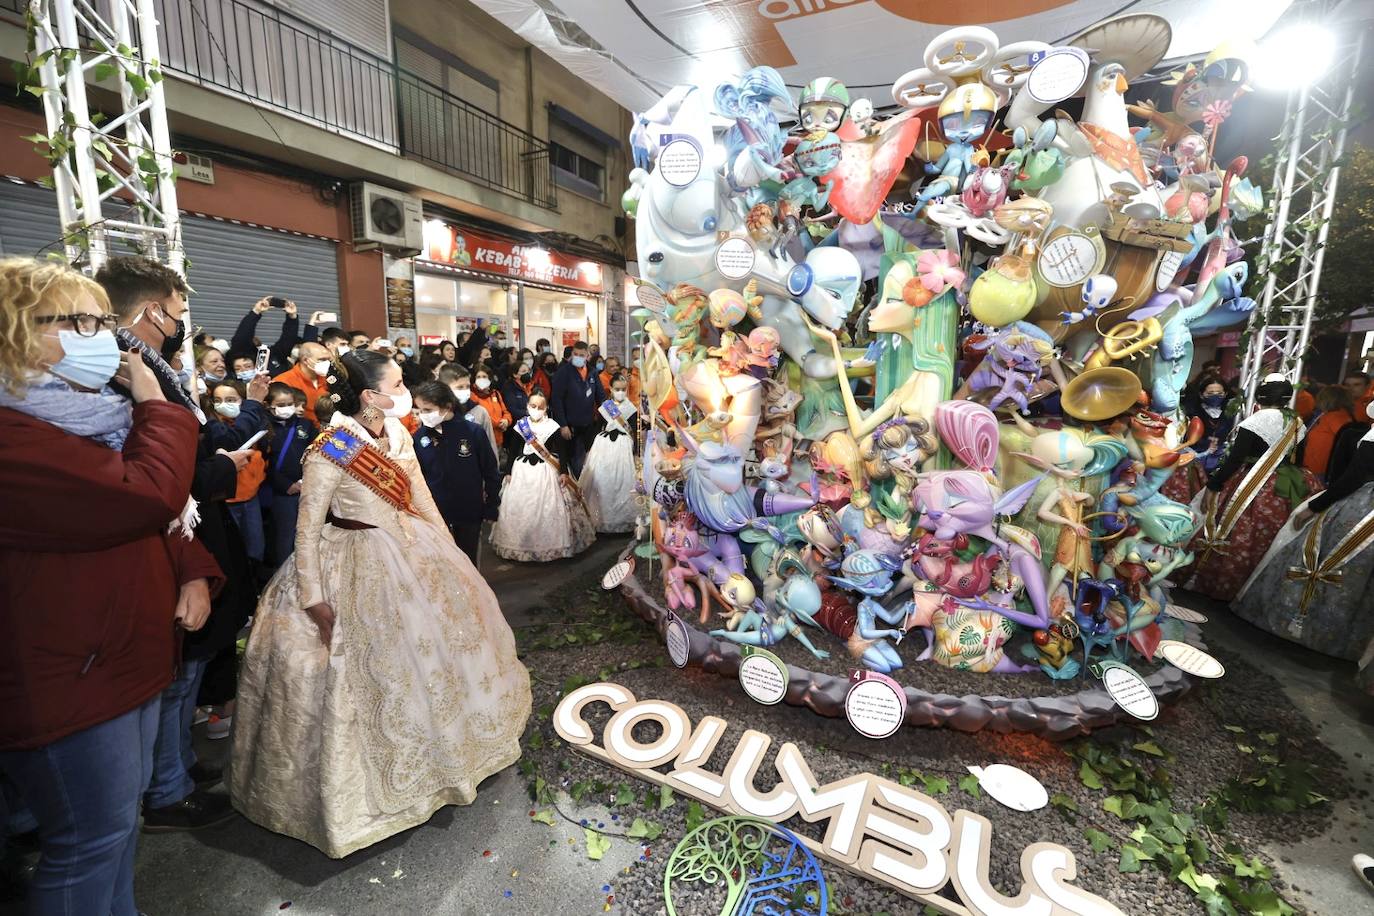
pixel 374 880
pixel 398 873
pixel 486 853
pixel 515 872
pixel 285 906
pixel 605 888
pixel 507 893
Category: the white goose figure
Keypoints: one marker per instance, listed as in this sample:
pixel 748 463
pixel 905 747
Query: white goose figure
pixel 1105 159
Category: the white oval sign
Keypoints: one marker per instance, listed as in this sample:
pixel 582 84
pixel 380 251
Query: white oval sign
pixel 1129 690
pixel 679 162
pixel 617 574
pixel 1068 260
pixel 650 297
pixel 1168 268
pixel 1057 75
pixel 1012 786
pixel 735 258
pixel 1190 659
pixel 677 641
pixel 875 706
pixel 1186 614
pixel 763 676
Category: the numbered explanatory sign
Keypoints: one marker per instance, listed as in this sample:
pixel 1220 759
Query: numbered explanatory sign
pixel 1190 659
pixel 875 704
pixel 762 675
pixel 677 641
pixel 735 258
pixel 679 162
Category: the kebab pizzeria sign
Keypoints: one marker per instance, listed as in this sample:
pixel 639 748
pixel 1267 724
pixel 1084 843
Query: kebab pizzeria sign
pixel 462 247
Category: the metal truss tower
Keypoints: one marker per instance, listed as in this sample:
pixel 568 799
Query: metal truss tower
pixel 1303 193
pixel 125 159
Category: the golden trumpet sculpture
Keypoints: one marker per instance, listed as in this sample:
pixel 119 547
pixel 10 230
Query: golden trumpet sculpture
pixel 1125 340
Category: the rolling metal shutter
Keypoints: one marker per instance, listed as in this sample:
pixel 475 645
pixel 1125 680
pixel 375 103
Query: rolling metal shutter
pixel 231 265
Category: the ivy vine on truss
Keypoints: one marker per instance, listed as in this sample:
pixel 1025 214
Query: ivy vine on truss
pixel 119 161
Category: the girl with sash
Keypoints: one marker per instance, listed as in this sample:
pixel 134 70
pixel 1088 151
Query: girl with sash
pixel 543 514
pixel 1316 583
pixel 1249 497
pixel 380 681
pixel 609 476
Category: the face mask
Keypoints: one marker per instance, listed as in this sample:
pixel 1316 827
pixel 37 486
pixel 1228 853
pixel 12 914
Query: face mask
pixel 322 367
pixel 579 361
pixel 283 413
pixel 87 361
pixel 432 418
pixel 463 395
pixel 483 384
pixel 184 377
pixel 618 395
pixel 344 348
pixel 536 414
pixel 527 363
pixel 173 342
pixel 229 409
pixel 525 374
pixel 600 365
pixel 246 375
pixel 407 351
pixel 400 405
pixel 209 377
pixel 544 349
pixel 1214 400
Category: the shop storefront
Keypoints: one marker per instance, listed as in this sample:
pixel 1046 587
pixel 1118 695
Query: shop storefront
pixel 464 277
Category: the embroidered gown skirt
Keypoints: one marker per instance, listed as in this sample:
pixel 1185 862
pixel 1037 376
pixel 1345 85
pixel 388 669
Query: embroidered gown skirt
pixel 540 518
pixel 416 701
pixel 608 483
pixel 1338 616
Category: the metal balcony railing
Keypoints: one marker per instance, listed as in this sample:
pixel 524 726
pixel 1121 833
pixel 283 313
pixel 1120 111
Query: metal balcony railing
pixel 443 130
pixel 256 51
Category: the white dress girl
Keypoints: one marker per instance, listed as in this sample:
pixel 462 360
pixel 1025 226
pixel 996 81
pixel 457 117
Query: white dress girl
pixel 541 519
pixel 609 477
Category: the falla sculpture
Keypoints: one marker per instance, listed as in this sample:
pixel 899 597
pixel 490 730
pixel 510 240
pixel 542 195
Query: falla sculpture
pixel 913 423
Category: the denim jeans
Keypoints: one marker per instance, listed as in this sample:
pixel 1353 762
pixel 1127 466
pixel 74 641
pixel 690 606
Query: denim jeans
pixel 84 790
pixel 285 509
pixel 248 517
pixel 173 756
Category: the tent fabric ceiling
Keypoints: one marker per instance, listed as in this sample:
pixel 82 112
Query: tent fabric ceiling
pixel 635 50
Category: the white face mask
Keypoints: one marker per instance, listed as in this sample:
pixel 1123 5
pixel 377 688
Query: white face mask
pixel 400 405
pixel 463 395
pixel 229 409
pixel 321 367
pixel 483 384
pixel 432 418
pixel 528 363
pixel 283 413
pixel 536 414
pixel 618 395
pixel 344 348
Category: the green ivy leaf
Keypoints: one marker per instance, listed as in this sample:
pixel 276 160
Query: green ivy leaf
pixel 696 815
pixel 597 844
pixel 544 816
pixel 623 795
pixel 665 797
pixel 1090 777
pixel 1130 860
pixel 969 784
pixel 1098 840
pixel 935 785
pixel 642 829
pixel 1149 747
pixel 536 741
pixel 1064 802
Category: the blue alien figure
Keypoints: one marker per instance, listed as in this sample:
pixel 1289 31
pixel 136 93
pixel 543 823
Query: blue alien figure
pixel 965 115
pixel 870 574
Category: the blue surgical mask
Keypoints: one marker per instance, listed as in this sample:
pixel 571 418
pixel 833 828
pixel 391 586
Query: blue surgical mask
pixel 1214 400
pixel 408 351
pixel 213 379
pixel 600 365
pixel 87 361
pixel 579 361
pixel 246 375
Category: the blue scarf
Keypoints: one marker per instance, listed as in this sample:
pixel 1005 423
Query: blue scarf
pixel 103 416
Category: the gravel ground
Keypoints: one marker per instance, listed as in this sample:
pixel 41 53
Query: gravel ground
pixel 625 650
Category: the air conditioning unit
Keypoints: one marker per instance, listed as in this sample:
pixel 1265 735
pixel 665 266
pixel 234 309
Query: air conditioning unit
pixel 386 218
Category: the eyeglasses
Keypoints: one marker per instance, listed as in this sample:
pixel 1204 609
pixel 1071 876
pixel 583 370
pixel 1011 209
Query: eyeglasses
pixel 85 325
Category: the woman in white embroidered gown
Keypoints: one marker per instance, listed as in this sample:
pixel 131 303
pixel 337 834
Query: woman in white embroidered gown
pixel 380 682
pixel 609 477
pixel 541 518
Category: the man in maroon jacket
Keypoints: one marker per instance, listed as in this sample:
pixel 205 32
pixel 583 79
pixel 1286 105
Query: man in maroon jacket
pixel 92 591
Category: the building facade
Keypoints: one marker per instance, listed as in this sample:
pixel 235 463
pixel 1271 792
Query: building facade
pixel 412 167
